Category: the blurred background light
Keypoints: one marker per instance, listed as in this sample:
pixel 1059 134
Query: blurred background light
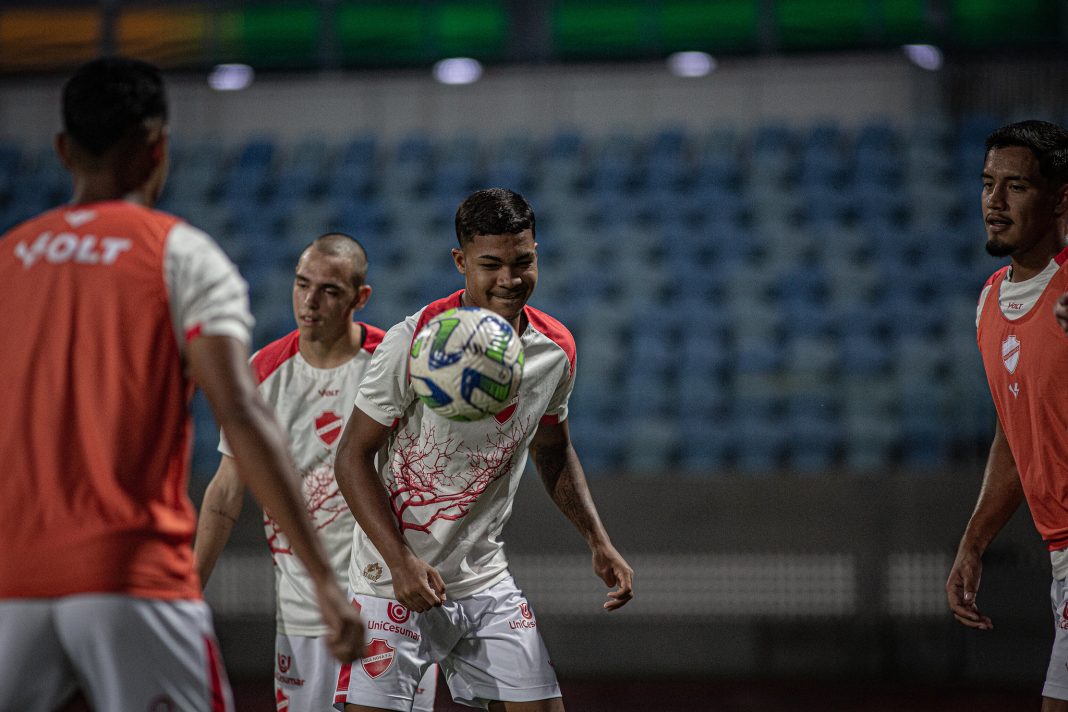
pixel 924 56
pixel 458 70
pixel 691 64
pixel 231 77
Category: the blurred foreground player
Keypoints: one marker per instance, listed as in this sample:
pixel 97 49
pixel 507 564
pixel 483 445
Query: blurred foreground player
pixel 428 566
pixel 1025 354
pixel 310 378
pixel 107 304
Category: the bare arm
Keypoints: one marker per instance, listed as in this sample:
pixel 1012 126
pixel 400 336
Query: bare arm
pixel 999 498
pixel 219 365
pixel 218 513
pixel 416 584
pixel 561 473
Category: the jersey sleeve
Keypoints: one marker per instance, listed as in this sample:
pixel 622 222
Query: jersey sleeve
pixel 385 392
pixel 558 405
pixel 208 295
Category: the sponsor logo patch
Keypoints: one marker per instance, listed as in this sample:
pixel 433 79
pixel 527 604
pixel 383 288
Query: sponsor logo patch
pixel 379 658
pixel 397 613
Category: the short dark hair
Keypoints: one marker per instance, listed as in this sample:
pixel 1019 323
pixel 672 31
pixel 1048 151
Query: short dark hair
pixel 1047 141
pixel 109 100
pixel 493 211
pixel 338 244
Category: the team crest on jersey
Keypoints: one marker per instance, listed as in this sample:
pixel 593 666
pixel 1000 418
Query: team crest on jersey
pixel 372 572
pixel 379 657
pixel 508 412
pixel 397 613
pixel 328 427
pixel 1010 352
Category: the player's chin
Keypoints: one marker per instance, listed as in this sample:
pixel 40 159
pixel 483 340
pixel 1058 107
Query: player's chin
pixel 998 247
pixel 508 307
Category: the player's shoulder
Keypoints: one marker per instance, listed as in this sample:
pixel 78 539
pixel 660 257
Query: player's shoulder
pixel 996 276
pixel 45 220
pixel 271 357
pixel 554 330
pixel 121 214
pixel 431 310
pixel 372 337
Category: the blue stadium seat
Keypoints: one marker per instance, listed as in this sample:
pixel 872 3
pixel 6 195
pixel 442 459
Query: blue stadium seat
pixel 650 445
pixel 815 434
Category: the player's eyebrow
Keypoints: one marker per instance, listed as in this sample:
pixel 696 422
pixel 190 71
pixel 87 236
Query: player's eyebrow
pixel 307 279
pixel 519 256
pixel 1025 179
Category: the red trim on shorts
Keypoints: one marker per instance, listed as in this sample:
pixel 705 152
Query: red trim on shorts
pixel 341 692
pixel 215 675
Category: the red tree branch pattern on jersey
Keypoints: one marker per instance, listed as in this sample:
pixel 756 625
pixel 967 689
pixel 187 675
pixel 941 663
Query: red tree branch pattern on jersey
pixel 323 500
pixel 424 490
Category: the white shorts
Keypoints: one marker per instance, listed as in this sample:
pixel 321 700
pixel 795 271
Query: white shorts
pixel 1056 685
pixel 487 644
pixel 306 676
pixel 124 653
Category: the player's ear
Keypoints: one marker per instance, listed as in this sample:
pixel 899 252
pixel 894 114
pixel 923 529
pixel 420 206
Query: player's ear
pixel 459 258
pixel 61 143
pixel 362 295
pixel 1061 197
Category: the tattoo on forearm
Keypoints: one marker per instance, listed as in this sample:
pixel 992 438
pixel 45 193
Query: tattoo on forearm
pixel 221 513
pixel 573 501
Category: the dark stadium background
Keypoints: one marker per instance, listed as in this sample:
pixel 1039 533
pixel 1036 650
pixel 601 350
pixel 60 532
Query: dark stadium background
pixel 770 270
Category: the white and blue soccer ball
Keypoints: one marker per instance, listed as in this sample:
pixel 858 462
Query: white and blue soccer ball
pixel 466 364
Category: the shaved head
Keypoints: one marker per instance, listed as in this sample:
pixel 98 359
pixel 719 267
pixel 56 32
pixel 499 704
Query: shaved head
pixel 338 244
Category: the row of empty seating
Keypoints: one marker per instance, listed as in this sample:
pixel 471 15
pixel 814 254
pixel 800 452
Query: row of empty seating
pixel 743 300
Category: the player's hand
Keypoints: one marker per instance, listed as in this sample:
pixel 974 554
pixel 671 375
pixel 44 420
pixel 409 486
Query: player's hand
pixel 611 568
pixel 417 585
pixel 1060 310
pixel 962 587
pixel 345 637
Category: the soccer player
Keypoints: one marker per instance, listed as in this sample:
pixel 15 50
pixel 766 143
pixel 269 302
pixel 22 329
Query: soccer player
pixel 309 377
pixel 107 306
pixel 428 567
pixel 1025 354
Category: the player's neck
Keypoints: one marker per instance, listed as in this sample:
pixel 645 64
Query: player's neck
pixel 1029 264
pixel 97 186
pixel 331 353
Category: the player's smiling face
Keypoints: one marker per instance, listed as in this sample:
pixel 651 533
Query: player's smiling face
pixel 1018 204
pixel 500 272
pixel 324 296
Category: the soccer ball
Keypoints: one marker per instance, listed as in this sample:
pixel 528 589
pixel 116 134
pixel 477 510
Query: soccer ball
pixel 466 364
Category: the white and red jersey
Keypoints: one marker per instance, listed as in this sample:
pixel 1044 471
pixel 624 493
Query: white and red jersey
pixel 1025 355
pixel 312 405
pixel 451 484
pixel 97 304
